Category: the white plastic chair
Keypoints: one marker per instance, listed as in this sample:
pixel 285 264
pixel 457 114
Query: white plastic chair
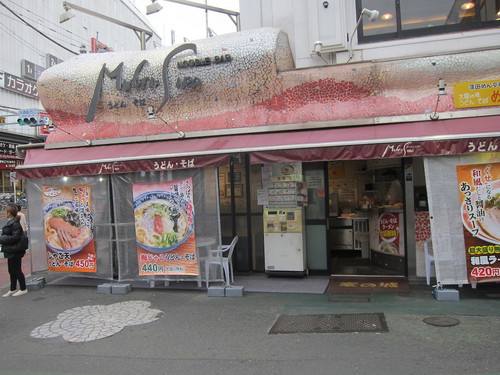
pixel 429 259
pixel 219 258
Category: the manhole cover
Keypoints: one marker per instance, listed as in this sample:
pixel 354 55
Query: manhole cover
pixel 330 323
pixel 441 321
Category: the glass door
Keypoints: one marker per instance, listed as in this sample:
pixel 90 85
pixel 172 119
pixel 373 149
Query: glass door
pixel 315 211
pixel 240 213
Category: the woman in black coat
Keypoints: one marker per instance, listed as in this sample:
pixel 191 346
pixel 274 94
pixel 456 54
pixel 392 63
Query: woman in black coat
pixel 14 251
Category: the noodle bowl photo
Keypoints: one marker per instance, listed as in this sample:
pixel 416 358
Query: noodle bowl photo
pixel 163 221
pixel 68 226
pixel 488 226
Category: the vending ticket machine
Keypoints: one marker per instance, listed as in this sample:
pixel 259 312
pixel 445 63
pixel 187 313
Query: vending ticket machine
pixel 284 242
pixel 284 226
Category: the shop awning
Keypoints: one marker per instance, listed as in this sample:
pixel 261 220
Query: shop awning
pixel 445 137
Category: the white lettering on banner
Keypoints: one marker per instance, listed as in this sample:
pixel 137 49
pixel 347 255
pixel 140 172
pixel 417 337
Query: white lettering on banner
pixel 20 85
pixel 167 164
pixel 399 149
pixel 482 146
pixel 110 167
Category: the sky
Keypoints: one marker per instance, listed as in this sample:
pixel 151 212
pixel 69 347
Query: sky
pixel 187 21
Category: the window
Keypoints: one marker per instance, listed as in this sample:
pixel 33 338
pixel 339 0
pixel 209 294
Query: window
pixel 410 18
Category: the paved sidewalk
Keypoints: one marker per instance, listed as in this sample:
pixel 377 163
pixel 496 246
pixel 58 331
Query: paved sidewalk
pixel 75 330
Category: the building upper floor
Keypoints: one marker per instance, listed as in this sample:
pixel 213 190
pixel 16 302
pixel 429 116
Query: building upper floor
pixel 326 32
pixel 37 34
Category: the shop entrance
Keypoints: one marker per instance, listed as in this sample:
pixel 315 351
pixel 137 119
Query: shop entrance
pixel 354 217
pixel 366 217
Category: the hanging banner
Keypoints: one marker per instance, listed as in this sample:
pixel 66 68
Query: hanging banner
pixel 164 228
pixel 69 228
pixel 389 234
pixel 479 190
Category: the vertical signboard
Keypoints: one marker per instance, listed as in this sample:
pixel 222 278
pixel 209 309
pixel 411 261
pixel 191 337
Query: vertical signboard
pixel 389 235
pixel 69 228
pixel 479 190
pixel 164 227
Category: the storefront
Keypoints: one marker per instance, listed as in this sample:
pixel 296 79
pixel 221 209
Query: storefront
pixel 227 133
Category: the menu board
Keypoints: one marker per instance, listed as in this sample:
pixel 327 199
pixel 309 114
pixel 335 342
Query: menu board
pixel 283 186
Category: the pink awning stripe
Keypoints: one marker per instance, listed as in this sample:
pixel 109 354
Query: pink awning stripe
pixel 455 136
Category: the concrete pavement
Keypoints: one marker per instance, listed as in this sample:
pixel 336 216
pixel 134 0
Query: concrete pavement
pixel 153 331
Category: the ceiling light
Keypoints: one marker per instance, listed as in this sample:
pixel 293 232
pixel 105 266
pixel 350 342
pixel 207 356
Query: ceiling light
pixel 153 8
pixel 468 5
pixel 387 17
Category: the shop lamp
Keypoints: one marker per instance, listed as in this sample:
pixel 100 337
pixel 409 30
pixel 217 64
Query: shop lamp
pixel 153 7
pixel 318 50
pixel 66 16
pixel 441 91
pixel 372 16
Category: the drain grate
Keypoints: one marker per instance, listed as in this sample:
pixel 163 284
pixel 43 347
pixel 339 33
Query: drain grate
pixel 330 323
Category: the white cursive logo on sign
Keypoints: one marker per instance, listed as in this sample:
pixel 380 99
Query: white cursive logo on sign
pixel 109 168
pixel 399 149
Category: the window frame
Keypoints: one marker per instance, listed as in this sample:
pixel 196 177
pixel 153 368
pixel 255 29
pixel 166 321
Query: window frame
pixel 413 33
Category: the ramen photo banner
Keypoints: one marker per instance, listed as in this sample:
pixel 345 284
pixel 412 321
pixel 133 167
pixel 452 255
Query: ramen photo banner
pixel 164 228
pixel 389 236
pixel 69 228
pixel 479 190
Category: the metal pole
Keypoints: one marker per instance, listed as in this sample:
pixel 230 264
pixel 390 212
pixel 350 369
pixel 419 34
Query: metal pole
pixel 140 32
pixel 233 15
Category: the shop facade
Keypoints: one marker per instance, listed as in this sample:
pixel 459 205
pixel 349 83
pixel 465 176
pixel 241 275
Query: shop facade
pixel 266 152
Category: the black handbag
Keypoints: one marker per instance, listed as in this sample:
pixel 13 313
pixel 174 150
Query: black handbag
pixel 23 243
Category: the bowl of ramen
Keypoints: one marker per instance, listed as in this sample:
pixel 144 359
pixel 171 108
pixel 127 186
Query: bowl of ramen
pixel 486 226
pixel 68 226
pixel 287 170
pixel 163 221
pixel 389 248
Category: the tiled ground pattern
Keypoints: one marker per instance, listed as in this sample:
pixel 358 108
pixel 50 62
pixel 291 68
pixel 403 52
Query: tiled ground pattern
pixel 93 322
